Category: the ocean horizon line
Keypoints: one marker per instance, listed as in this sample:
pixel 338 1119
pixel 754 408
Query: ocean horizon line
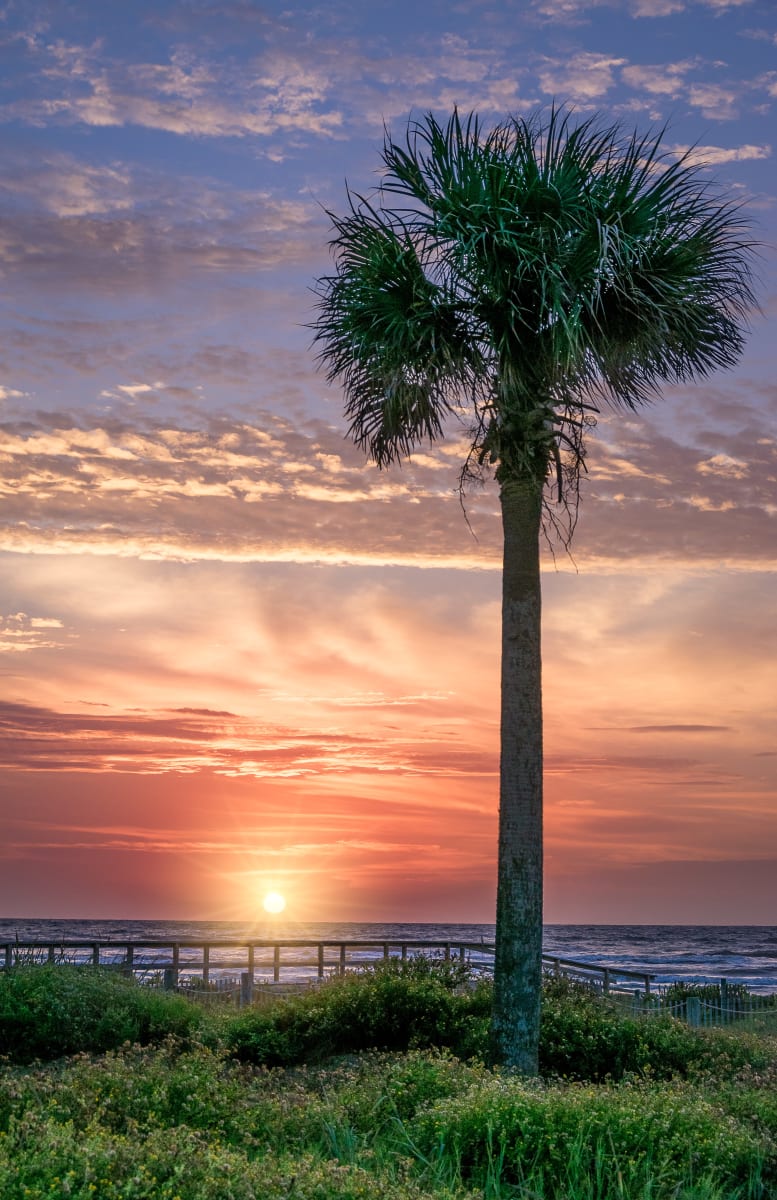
pixel 389 921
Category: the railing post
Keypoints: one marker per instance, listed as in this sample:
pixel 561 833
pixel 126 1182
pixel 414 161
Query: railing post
pixel 693 1011
pixel 342 958
pixel 724 998
pixel 247 980
pixel 606 983
pixel 321 960
pixel 95 955
pixel 129 959
pixel 276 963
pixel 205 964
pixel 174 968
pixel 404 951
pixel 447 951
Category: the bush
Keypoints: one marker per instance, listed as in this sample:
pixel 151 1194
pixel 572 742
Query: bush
pixel 426 1004
pixel 393 1006
pixel 50 1011
pixel 584 1037
pixel 627 1140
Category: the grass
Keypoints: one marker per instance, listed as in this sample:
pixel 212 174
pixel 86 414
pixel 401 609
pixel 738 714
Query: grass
pixel 370 1087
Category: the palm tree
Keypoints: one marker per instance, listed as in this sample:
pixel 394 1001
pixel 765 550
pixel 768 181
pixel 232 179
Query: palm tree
pixel 522 275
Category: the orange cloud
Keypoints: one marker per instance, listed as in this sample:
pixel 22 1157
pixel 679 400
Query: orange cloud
pixel 274 492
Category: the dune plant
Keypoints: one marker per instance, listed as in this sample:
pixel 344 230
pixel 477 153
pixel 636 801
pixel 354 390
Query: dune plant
pixel 624 1141
pixel 48 1011
pixel 160 1122
pixel 392 1006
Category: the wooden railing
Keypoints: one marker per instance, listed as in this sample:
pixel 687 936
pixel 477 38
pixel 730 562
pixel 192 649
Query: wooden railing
pixel 607 979
pixel 184 961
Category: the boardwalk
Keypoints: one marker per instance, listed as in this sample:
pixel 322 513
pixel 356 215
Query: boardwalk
pixel 284 961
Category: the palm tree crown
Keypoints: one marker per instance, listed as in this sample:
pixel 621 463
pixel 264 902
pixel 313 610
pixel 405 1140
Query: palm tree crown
pixel 521 275
pixel 524 272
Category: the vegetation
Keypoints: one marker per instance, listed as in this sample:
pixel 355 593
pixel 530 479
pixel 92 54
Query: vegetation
pixel 629 1109
pixel 513 277
pixel 48 1011
pixel 395 1006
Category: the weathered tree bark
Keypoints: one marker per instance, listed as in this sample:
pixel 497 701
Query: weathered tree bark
pixel 515 1020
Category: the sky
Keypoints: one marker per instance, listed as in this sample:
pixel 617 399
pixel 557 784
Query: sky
pixel 234 655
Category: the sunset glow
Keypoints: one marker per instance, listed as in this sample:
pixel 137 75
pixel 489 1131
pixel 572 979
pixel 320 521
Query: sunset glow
pixel 238 658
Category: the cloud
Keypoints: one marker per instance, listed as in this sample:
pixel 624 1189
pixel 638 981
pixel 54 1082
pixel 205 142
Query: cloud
pixel 68 188
pixel 656 8
pixel 721 6
pixel 723 465
pixel 79 229
pixel 187 742
pixel 665 79
pixel 716 101
pixel 280 97
pixel 20 633
pixel 567 11
pixel 269 489
pixel 183 95
pixel 679 728
pixel 689 80
pixel 228 491
pixel 580 10
pixel 300 692
pixel 713 155
pixel 584 76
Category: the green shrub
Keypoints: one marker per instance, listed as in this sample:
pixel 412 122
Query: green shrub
pixel 397 1006
pixel 738 996
pixel 584 1037
pixel 393 1006
pixel 624 1140
pixel 136 1089
pixel 49 1011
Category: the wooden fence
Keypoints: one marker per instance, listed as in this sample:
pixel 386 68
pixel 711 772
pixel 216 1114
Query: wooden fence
pixel 208 964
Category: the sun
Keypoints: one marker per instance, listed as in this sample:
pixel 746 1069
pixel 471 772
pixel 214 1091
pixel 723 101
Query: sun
pixel 274 902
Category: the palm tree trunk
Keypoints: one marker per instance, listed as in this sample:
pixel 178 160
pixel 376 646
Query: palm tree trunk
pixel 518 965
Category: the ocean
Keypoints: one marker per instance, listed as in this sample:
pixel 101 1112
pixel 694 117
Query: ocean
pixel 745 954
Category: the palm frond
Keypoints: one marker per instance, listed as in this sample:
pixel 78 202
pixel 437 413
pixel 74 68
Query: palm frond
pixel 392 334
